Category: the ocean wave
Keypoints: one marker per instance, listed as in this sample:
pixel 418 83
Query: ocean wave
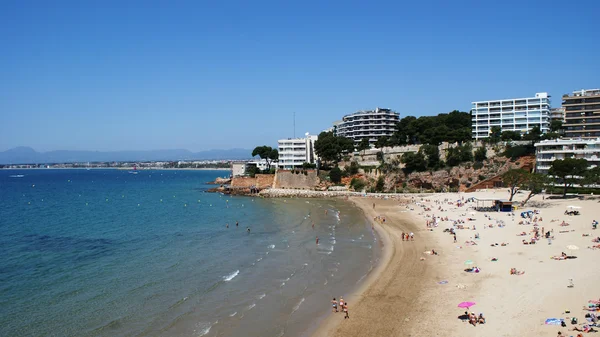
pixel 231 276
pixel 251 306
pixel 16 176
pixel 271 247
pixel 203 328
pixel 262 296
pixel 231 315
pixel 297 306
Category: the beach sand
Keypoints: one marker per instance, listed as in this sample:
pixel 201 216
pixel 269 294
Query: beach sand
pixel 403 296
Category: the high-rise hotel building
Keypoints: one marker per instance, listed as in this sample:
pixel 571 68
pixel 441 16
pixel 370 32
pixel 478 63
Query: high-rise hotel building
pixel 514 114
pixel 582 114
pixel 370 124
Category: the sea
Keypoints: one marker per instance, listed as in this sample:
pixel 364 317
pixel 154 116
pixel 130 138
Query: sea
pixel 106 252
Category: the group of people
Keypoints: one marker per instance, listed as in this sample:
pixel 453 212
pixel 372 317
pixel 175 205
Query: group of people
pixel 474 319
pixel 408 236
pixel 343 305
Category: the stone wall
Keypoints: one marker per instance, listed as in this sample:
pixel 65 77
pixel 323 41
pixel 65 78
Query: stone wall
pixel 291 180
pixel 260 181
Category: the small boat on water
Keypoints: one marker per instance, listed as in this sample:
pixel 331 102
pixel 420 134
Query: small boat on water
pixel 134 170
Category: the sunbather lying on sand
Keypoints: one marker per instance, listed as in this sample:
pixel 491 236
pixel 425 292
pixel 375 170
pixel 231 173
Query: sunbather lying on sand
pixel 514 271
pixel 473 270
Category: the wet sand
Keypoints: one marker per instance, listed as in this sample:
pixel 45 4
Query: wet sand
pixel 380 306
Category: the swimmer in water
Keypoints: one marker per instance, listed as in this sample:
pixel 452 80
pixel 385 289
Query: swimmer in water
pixel 317 240
pixel 236 224
pixel 227 225
pixel 248 229
pixel 313 225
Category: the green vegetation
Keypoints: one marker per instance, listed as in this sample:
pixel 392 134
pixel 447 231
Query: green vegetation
pixel 379 186
pixel 414 161
pixel 518 151
pixel 363 145
pixel 495 135
pixel 266 153
pixel 556 125
pixel 331 148
pixel 510 135
pixel 335 175
pixel 308 166
pixel 481 154
pixel 357 184
pixel 459 154
pixel 252 171
pixel 568 171
pixel 451 127
pixel 351 169
pixel 432 155
pixel 535 184
pixel 513 179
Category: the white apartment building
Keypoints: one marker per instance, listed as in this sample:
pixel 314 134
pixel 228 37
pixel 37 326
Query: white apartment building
pixel 548 151
pixel 370 124
pixel 557 114
pixel 293 152
pixel 514 114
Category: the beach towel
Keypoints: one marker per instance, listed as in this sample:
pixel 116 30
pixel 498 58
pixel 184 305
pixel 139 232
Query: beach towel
pixel 553 321
pixel 443 282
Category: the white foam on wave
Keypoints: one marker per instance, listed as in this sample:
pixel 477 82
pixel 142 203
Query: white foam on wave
pixel 231 276
pixel 297 306
pixel 231 315
pixel 259 259
pixel 282 284
pixel 271 246
pixel 203 328
pixel 251 306
pixel 16 176
pixel 262 296
pixel 325 282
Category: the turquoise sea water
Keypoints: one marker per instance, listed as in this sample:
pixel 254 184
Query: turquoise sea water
pixel 111 253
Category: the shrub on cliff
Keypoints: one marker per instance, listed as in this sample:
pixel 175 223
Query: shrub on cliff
pixel 357 184
pixel 335 175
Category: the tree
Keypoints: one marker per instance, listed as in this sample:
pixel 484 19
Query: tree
pixel 568 171
pixel 495 135
pixel 510 135
pixel 453 127
pixel 267 153
pixel 592 176
pixel 466 152
pixel 534 135
pixel 363 145
pixel 381 142
pixel 413 162
pixel 331 148
pixel 534 183
pixel 481 153
pixel 335 175
pixel 513 179
pixel 432 153
pixel 556 125
pixel 380 184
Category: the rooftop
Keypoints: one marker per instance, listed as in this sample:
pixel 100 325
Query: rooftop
pixel 583 93
pixel 565 141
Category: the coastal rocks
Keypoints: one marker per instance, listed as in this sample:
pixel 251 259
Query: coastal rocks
pixel 220 181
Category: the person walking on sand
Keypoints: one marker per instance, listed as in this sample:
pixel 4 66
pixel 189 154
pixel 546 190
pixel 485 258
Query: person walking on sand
pixel 373 205
pixel 403 236
pixel 334 304
pixel 412 236
pixel 454 238
pixel 346 310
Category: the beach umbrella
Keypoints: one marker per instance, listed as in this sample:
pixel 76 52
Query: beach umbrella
pixel 572 247
pixel 468 262
pixel 466 305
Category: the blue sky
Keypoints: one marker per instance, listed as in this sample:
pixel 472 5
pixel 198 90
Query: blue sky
pixel 140 75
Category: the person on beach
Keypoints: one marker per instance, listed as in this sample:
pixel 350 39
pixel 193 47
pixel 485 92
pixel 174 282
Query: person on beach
pixel 454 238
pixel 403 236
pixel 345 308
pixel 313 225
pixel 373 205
pixel 412 236
pixel 341 302
pixel 317 240
pixel 334 304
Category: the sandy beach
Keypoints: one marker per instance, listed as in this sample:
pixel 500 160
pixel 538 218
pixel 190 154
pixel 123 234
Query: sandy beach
pixel 415 293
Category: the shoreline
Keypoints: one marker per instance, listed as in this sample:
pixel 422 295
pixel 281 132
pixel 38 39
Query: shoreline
pixel 120 168
pixel 378 306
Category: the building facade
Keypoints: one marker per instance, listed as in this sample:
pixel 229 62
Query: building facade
pixel 582 114
pixel 514 114
pixel 548 151
pixel 293 152
pixel 557 114
pixel 370 124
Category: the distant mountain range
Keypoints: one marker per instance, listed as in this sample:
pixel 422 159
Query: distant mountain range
pixel 27 155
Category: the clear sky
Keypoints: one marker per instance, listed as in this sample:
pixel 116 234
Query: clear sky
pixel 197 75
